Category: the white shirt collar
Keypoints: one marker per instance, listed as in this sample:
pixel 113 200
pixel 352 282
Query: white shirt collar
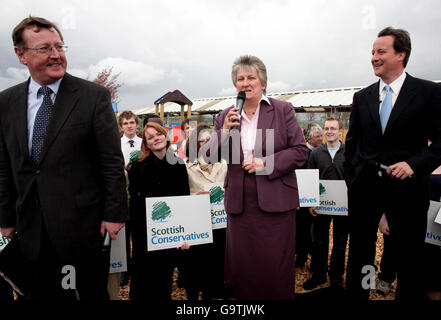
pixel 124 138
pixel 264 98
pixel 35 86
pixel 395 85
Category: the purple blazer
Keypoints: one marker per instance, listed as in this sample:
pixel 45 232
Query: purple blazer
pixel 277 187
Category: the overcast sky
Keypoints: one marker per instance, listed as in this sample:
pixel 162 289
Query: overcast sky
pixel 190 45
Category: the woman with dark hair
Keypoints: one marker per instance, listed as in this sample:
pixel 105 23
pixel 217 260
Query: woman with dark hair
pixel 156 173
pixel 203 268
pixel 264 145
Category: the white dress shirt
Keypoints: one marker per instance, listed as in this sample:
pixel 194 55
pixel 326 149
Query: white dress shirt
pixel 395 87
pixel 127 149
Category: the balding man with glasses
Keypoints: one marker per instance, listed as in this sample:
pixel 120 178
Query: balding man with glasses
pixel 62 184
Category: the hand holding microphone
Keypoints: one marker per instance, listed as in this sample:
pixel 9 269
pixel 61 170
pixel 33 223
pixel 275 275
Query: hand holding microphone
pixel 232 119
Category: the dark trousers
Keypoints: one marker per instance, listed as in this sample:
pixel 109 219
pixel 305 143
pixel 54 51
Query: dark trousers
pixel 152 274
pixel 388 270
pixel 5 291
pixel 47 276
pixel 84 279
pixel 303 235
pixel 405 204
pixel 203 268
pixel 319 259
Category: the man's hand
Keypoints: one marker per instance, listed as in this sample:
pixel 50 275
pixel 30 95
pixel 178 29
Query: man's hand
pixel 7 232
pixel 112 227
pixel 383 226
pixel 400 170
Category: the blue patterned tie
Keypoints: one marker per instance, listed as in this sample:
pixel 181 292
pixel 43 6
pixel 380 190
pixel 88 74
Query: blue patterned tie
pixel 386 108
pixel 41 122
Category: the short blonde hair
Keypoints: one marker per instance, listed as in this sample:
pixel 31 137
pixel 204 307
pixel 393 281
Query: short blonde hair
pixel 250 62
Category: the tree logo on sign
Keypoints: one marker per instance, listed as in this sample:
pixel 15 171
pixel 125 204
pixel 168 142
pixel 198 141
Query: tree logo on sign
pixel 160 211
pixel 216 194
pixel 322 189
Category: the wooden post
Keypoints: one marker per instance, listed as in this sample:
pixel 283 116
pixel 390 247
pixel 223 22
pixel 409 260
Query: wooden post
pixel 182 113
pixel 162 112
pixel 189 112
pixel 156 109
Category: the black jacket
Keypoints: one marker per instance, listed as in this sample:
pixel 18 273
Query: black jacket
pixel 79 179
pixel 153 178
pixel 329 169
pixel 415 118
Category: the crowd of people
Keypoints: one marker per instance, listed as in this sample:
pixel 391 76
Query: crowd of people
pixel 68 180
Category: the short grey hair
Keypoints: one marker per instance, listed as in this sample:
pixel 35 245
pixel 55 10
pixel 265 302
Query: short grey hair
pixel 250 62
pixel 310 129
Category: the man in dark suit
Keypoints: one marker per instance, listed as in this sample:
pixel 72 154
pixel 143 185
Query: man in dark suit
pixel 387 164
pixel 62 182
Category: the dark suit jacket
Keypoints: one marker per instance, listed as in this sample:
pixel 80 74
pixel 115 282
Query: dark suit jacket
pixel 277 189
pixel 415 117
pixel 79 180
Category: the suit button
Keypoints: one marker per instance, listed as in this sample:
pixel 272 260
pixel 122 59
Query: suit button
pixel 37 172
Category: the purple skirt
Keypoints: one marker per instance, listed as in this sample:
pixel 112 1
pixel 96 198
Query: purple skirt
pixel 260 248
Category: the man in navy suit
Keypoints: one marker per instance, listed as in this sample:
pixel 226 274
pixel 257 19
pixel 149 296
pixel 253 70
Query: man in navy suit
pixel 62 183
pixel 388 163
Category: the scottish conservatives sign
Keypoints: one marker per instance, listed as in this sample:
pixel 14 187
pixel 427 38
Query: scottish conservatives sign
pixel 218 214
pixel 171 221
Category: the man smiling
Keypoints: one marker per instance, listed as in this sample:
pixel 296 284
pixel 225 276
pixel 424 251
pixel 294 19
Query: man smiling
pixel 329 159
pixel 388 162
pixel 62 181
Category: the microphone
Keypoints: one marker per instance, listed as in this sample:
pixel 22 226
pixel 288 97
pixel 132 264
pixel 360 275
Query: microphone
pixel 241 96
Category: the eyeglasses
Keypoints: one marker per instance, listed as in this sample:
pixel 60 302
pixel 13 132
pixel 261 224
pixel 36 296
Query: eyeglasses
pixel 48 49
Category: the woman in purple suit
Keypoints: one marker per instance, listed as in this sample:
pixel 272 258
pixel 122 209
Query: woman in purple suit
pixel 263 146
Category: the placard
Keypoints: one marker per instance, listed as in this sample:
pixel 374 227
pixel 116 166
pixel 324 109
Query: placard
pixel 118 253
pixel 171 221
pixel 3 242
pixel 333 198
pixel 438 217
pixel 218 214
pixel 308 187
pixel 433 232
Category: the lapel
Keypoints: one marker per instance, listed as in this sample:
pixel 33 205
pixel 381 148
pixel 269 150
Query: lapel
pixel 373 99
pixel 266 117
pixel 407 92
pixel 20 101
pixel 67 97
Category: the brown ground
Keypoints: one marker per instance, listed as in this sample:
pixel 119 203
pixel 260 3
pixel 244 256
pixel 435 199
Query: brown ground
pixel 302 274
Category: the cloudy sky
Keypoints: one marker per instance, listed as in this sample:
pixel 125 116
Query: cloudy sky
pixel 190 45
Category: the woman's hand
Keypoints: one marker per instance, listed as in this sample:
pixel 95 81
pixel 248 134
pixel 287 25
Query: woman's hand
pixel 253 164
pixel 313 212
pixel 184 246
pixel 230 117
